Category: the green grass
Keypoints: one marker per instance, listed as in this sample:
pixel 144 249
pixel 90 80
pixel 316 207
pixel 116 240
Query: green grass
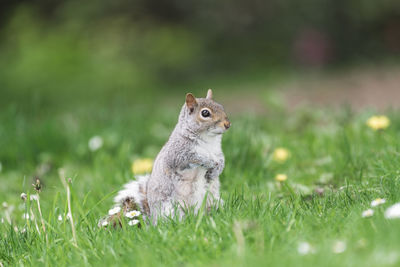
pixel 261 223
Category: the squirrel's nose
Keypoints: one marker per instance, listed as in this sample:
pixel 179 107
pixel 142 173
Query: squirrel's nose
pixel 227 124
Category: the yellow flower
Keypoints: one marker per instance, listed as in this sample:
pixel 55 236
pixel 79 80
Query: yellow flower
pixel 378 122
pixel 141 166
pixel 281 177
pixel 281 154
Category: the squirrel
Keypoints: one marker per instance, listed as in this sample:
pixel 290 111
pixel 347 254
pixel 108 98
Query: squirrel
pixel 186 171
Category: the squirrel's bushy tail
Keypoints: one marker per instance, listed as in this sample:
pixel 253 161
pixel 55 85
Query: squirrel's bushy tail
pixel 132 197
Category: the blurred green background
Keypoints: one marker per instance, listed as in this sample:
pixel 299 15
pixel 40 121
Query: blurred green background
pixel 64 64
pixel 59 53
pixel 302 75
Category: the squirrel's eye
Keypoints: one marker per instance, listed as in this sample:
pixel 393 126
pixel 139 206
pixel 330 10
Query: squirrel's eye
pixel 205 113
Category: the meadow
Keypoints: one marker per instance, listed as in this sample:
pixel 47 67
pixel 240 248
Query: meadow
pixel 300 205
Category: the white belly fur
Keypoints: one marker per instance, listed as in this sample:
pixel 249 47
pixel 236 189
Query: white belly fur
pixel 193 187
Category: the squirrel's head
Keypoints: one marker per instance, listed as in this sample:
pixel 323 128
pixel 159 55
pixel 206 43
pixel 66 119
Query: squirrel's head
pixel 205 115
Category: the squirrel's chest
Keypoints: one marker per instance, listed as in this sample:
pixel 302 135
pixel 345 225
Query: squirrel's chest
pixel 209 149
pixel 193 184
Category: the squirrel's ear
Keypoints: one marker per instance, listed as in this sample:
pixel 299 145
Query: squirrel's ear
pixel 190 102
pixel 209 94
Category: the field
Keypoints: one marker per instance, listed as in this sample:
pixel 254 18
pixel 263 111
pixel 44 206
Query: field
pixel 336 166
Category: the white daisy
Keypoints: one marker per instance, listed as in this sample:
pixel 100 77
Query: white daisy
pixel 95 143
pixel 367 213
pixel 133 222
pixel 305 248
pixel 377 202
pixel 339 247
pixel 114 210
pixel 60 218
pixel 104 223
pixel 132 214
pixel 393 212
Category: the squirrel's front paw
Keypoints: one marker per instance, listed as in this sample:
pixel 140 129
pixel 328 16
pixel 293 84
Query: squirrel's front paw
pixel 212 173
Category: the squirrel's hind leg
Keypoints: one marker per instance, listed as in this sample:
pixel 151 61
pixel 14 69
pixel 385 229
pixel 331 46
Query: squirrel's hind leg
pixel 167 209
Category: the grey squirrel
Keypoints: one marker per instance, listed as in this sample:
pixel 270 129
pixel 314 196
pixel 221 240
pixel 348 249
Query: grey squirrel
pixel 186 170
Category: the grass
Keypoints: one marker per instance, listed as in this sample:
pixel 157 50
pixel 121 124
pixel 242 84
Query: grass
pixel 262 222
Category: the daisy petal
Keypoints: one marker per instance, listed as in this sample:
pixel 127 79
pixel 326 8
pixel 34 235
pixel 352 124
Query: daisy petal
pixel 133 222
pixel 114 210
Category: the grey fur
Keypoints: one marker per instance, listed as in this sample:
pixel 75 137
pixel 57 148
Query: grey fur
pixel 187 167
